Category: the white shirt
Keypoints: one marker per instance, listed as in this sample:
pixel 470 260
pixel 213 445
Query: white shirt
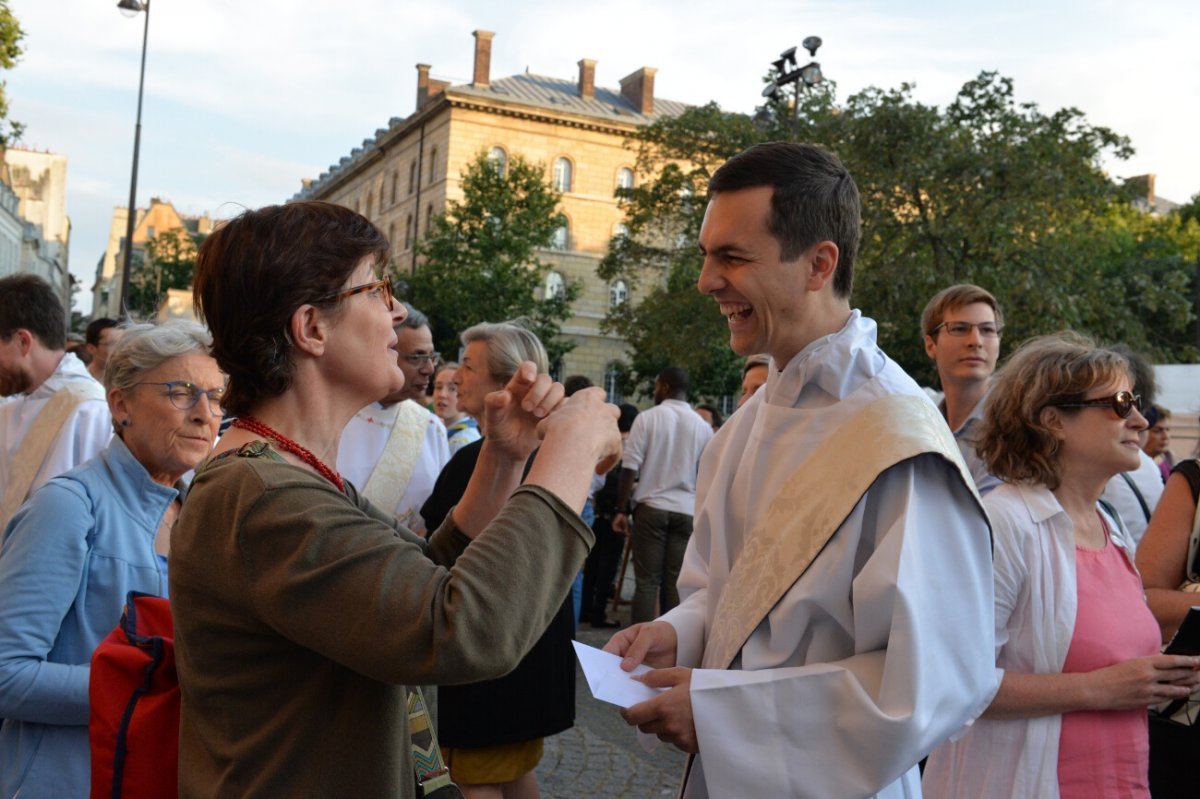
pixel 362 445
pixel 1036 602
pixel 87 430
pixel 883 647
pixel 1117 493
pixel 664 445
pixel 965 436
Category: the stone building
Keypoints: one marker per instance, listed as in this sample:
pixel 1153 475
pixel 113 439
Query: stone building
pixel 161 216
pixel 403 176
pixel 35 232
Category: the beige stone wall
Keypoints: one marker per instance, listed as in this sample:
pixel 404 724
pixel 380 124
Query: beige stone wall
pixel 454 136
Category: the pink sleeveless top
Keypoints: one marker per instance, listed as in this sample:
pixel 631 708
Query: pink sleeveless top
pixel 1105 754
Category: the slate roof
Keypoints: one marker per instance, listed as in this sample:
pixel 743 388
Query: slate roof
pixel 536 91
pixel 557 94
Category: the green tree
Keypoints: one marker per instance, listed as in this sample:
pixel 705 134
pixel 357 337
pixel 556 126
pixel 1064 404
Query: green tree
pixel 168 262
pixel 480 262
pixel 10 51
pixel 987 190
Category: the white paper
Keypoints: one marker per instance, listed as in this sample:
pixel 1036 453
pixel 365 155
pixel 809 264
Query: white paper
pixel 608 681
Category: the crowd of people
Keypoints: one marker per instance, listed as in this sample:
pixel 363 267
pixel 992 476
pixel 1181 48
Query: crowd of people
pixel 370 550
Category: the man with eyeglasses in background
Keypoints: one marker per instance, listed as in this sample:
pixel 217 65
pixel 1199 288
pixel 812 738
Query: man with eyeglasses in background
pixel 962 326
pixel 394 449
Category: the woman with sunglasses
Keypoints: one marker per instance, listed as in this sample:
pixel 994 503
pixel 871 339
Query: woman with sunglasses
pixel 1077 647
pixel 87 538
pixel 302 612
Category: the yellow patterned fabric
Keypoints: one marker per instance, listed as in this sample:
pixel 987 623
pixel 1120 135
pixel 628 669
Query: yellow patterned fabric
pixel 32 451
pixel 810 508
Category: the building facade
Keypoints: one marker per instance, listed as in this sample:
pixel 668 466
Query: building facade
pixel 404 176
pixel 160 217
pixel 35 232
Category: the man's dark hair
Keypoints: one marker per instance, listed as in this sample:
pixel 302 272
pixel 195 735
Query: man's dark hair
pixel 415 318
pixel 575 383
pixel 815 199
pixel 96 327
pixel 28 302
pixel 675 378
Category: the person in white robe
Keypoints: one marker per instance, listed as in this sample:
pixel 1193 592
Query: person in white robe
pixel 883 646
pixel 42 377
pixel 393 450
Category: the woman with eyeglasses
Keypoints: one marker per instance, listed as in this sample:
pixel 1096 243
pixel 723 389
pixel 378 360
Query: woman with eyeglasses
pixel 302 612
pixel 1077 647
pixel 88 537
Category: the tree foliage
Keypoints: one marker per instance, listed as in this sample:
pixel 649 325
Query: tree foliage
pixel 480 262
pixel 10 51
pixel 987 190
pixel 168 262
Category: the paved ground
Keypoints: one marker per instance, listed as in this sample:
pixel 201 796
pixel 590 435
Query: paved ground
pixel 600 757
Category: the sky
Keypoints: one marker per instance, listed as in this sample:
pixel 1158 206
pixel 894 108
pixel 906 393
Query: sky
pixel 244 99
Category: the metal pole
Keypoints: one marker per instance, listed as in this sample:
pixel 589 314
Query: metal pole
pixel 137 142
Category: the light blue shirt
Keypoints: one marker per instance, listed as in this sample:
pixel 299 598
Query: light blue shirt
pixel 69 557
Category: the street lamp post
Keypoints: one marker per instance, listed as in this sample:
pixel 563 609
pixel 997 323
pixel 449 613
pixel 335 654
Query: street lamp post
pixel 134 7
pixel 788 71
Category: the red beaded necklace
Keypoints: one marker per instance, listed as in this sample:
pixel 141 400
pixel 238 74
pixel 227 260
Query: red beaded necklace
pixel 288 445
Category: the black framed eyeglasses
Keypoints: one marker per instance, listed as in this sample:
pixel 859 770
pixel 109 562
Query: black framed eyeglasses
pixel 1122 403
pixel 381 288
pixel 184 395
pixel 960 329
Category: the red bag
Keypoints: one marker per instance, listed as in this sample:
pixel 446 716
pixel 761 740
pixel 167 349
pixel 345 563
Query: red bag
pixel 134 697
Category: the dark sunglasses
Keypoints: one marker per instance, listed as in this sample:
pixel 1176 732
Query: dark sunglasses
pixel 1122 403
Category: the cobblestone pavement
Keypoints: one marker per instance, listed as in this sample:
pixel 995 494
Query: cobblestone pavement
pixel 600 758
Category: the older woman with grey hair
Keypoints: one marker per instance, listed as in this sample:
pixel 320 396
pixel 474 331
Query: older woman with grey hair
pixel 88 537
pixel 491 732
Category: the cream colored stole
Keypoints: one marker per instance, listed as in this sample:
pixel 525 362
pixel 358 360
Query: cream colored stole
pixel 389 480
pixel 31 454
pixel 811 507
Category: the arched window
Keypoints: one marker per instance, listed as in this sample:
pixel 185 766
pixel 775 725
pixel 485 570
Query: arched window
pixel 499 160
pixel 395 185
pixel 412 176
pixel 624 178
pixel 618 293
pixel 555 287
pixel 370 202
pixel 562 235
pixel 432 165
pixel 392 234
pixel 428 218
pixel 612 383
pixel 408 232
pixel 562 174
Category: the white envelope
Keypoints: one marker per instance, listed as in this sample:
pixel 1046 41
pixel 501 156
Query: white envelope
pixel 606 679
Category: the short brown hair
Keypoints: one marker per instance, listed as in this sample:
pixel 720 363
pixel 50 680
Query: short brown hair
pixel 254 271
pixel 957 296
pixel 1044 371
pixel 29 303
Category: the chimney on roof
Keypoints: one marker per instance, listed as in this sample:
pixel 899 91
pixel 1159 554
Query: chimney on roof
pixel 638 88
pixel 587 78
pixel 427 88
pixel 483 59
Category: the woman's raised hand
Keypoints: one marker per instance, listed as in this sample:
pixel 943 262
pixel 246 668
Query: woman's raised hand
pixel 586 424
pixel 512 414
